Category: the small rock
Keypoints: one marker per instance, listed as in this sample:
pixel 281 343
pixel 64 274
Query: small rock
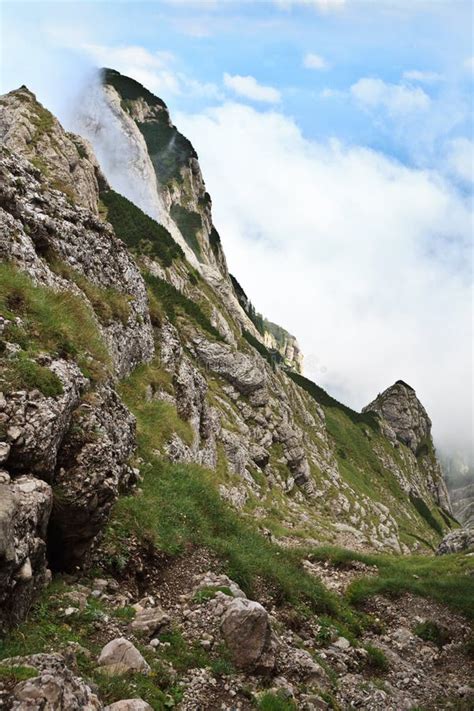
pixel 150 621
pixel 129 705
pixel 120 656
pixel 4 451
pixel 26 571
pixel 342 643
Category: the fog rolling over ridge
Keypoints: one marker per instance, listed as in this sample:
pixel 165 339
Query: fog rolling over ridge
pixel 344 231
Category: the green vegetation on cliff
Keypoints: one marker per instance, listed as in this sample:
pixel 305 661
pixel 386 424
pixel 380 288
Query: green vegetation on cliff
pixel 139 231
pixel 175 303
pixel 189 224
pixel 42 320
pixel 129 89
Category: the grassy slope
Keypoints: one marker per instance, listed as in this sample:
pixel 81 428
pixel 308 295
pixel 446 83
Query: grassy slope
pixel 180 508
pixel 355 436
pixel 448 579
pixel 59 323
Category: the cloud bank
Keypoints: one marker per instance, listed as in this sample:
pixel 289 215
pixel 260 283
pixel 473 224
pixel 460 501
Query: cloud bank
pixel 365 260
pixel 250 88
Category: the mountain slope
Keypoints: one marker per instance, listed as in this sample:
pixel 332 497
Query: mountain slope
pixel 131 366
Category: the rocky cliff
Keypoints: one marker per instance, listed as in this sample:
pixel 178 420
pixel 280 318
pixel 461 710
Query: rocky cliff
pixel 130 365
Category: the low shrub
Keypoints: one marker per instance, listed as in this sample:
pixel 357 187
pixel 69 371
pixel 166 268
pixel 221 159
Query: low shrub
pixel 432 632
pixel 189 224
pixel 275 702
pixel 376 659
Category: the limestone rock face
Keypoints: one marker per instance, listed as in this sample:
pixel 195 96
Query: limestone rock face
pixel 59 244
pixel 120 656
pixel 55 688
pixel 239 369
pixel 399 406
pixel 248 634
pixel 92 469
pixel 30 130
pixel 25 507
pixel 462 499
pixel 457 541
pixel 35 424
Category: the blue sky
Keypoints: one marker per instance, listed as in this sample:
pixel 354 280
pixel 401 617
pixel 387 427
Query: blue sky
pixel 268 40
pixel 335 137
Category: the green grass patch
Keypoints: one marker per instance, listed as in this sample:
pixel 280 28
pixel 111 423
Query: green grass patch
pixel 23 373
pixel 275 702
pixel 59 323
pixel 432 632
pixel 139 231
pixel 109 304
pixel 376 659
pixel 11 675
pixel 125 613
pixel 425 513
pixel 189 224
pixel 157 420
pixel 446 579
pixel 176 304
pixel 209 593
pixel 180 507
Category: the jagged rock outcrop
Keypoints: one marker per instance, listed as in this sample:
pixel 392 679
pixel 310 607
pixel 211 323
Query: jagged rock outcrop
pixel 53 688
pixel 91 470
pixel 25 507
pixel 399 406
pixel 405 420
pixel 66 161
pixel 67 247
pixel 457 541
pixel 462 500
pixel 459 475
pixel 46 235
pixel 35 424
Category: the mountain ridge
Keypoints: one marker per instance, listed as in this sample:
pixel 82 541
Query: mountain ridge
pixel 147 422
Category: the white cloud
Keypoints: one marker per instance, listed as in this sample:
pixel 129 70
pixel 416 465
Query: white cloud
pixel 250 88
pixel 396 99
pixel 460 158
pixel 365 260
pixel 469 64
pixel 155 70
pixel 321 5
pixel 314 61
pixel 425 77
pixel 329 93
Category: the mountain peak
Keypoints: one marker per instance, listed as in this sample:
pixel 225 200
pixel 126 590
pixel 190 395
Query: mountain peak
pixel 400 407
